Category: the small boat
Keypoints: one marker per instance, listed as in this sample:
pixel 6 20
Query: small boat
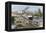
pixel 30 17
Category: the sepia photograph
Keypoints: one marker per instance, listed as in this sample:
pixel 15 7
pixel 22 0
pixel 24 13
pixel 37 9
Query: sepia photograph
pixel 26 16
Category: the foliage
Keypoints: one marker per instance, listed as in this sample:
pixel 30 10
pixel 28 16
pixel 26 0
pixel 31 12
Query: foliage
pixel 39 13
pixel 12 19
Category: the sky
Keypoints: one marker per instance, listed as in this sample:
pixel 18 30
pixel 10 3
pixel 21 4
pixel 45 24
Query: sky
pixel 22 7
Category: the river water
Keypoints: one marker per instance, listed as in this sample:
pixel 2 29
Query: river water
pixel 38 21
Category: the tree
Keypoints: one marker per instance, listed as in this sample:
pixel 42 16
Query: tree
pixel 12 19
pixel 39 13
